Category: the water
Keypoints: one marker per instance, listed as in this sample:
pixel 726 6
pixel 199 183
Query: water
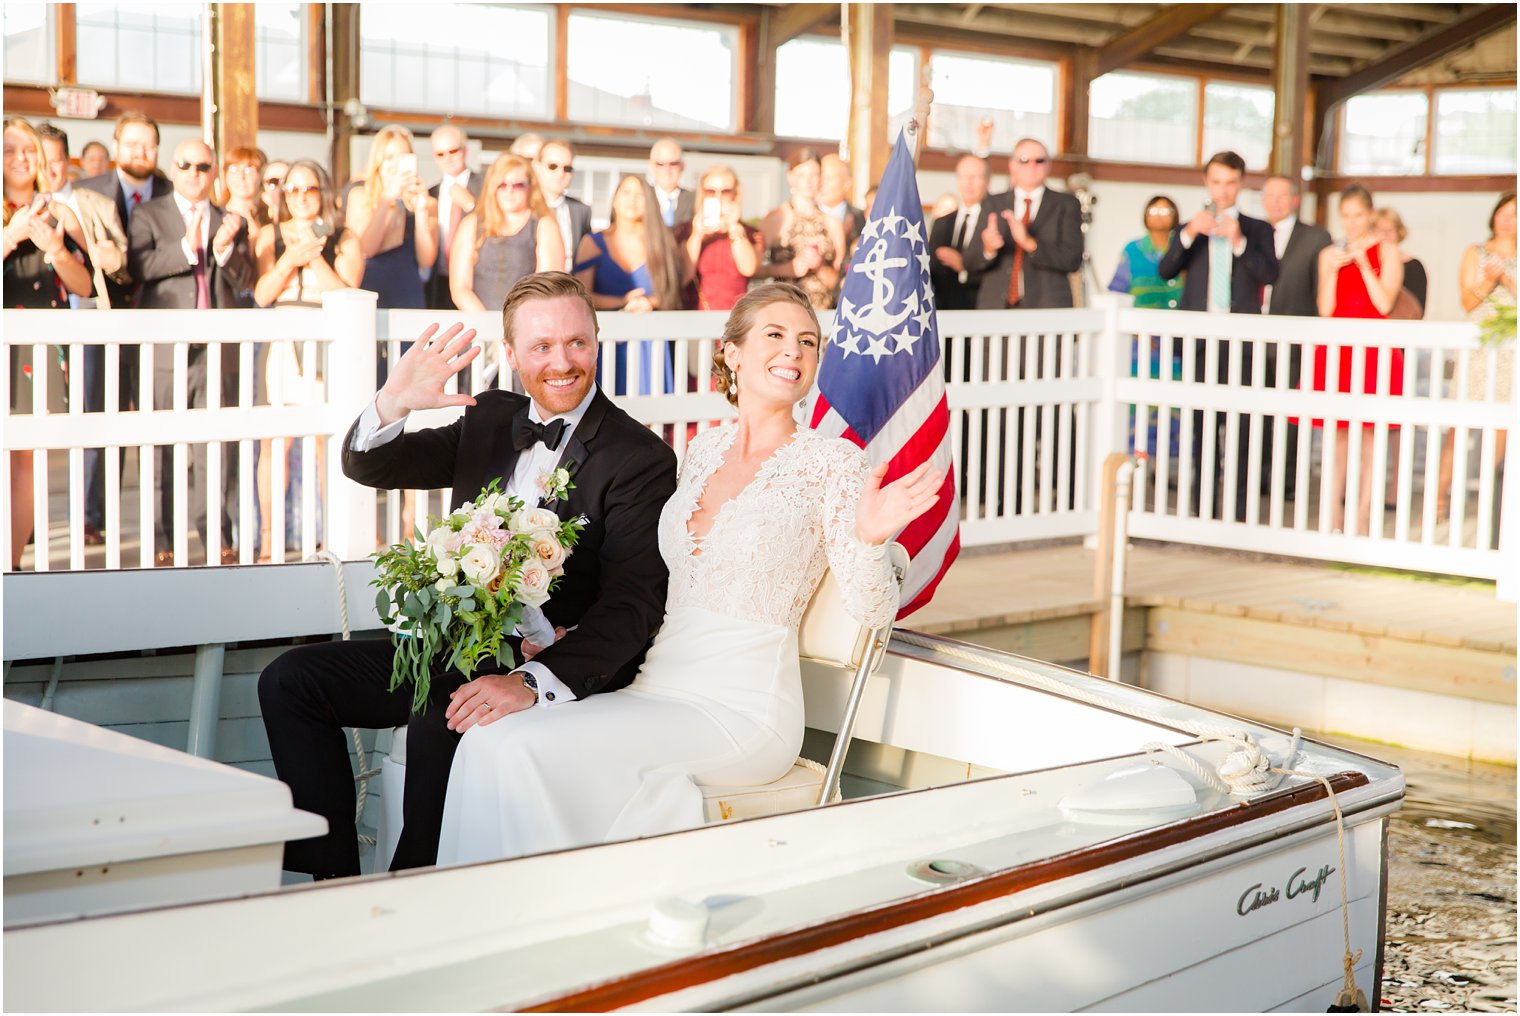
pixel 1451 885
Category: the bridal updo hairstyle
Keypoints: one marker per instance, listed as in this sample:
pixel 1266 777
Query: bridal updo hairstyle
pixel 742 318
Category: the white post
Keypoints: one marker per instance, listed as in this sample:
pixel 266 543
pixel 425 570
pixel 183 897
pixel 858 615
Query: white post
pixel 1110 363
pixel 1509 533
pixel 351 356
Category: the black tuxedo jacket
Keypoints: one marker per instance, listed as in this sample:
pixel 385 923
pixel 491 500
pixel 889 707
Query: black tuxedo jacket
pixel 614 582
pixel 109 184
pixel 1296 291
pixel 950 293
pixel 1254 268
pixel 165 278
pixel 1057 230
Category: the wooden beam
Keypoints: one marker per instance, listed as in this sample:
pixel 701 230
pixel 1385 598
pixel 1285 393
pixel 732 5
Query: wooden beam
pixel 792 20
pixel 344 61
pixel 316 53
pixel 67 61
pixel 870 49
pixel 763 94
pixel 1080 71
pixel 1134 43
pixel 562 62
pixel 1290 88
pixel 235 119
pixel 1432 47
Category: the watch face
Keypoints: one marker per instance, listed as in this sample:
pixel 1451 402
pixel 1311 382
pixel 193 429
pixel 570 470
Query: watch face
pixel 529 681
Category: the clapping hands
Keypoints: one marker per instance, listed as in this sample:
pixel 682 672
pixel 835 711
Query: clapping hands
pixel 882 512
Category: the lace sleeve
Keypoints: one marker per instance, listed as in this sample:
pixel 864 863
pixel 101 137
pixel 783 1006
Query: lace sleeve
pixel 863 571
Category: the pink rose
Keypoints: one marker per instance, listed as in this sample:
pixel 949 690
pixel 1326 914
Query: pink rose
pixel 533 583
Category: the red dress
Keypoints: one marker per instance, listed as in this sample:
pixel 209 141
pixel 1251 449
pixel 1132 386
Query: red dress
pixel 1353 301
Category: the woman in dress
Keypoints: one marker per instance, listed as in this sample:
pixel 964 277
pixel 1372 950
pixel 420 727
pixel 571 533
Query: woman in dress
pixel 396 221
pixel 1360 277
pixel 721 249
pixel 1388 226
pixel 761 509
pixel 1488 283
pixel 510 234
pixel 1138 275
pixel 306 253
pixel 44 263
pixel 634 265
pixel 804 244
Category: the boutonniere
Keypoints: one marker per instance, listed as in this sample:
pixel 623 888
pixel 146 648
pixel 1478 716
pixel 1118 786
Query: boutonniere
pixel 555 484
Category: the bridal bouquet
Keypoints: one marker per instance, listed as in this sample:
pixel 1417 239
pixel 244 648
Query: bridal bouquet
pixel 476 575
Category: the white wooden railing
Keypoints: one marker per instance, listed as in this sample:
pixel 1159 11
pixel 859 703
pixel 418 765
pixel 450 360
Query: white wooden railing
pixel 1038 398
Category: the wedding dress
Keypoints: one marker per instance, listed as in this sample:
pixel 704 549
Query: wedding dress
pixel 719 697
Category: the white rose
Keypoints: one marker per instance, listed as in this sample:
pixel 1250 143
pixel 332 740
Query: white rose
pixel 538 518
pixel 533 586
pixel 447 566
pixel 438 541
pixel 547 549
pixel 479 564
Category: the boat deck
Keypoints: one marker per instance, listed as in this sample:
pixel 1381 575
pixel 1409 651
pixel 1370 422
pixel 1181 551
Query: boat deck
pixel 1425 664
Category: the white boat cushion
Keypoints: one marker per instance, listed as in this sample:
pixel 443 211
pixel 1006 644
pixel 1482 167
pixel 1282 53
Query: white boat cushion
pixel 795 791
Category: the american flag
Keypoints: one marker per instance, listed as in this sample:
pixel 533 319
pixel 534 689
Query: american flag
pixel 880 383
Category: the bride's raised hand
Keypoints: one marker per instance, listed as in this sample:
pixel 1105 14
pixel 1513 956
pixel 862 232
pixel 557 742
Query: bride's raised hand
pixel 884 511
pixel 418 378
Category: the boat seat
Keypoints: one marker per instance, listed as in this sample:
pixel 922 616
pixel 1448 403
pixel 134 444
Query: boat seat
pixel 827 636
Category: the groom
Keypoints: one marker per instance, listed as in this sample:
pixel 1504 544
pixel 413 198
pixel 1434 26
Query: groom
pixel 611 599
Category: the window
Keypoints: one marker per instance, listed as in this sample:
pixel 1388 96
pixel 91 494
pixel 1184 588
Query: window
pixel 29 43
pixel 813 89
pixel 1143 118
pixel 1019 98
pixel 664 74
pixel 1238 118
pixel 1384 133
pixel 140 47
pixel 280 51
pixel 1475 131
pixel 451 58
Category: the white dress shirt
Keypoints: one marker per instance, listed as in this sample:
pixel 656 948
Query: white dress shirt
pixel 193 255
pixel 445 212
pixel 1034 197
pixel 128 188
pixel 531 464
pixel 668 202
pixel 965 220
pixel 561 210
pixel 1280 235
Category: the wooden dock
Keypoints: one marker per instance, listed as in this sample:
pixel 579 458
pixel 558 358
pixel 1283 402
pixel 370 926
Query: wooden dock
pixel 1387 657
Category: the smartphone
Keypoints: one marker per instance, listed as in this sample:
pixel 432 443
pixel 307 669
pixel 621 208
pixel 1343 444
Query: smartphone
pixel 712 212
pixel 320 229
pixel 406 165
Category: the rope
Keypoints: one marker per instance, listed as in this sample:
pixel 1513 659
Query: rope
pixel 365 772
pixel 1244 771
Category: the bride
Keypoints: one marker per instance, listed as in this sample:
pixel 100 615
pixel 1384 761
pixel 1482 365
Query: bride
pixel 761 509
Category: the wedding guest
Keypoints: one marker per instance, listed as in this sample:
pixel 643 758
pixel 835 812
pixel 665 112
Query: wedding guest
pixel 953 233
pixel 44 264
pixel 306 253
pixel 666 162
pixel 1360 277
pixel 510 234
pixel 271 180
pixel 1033 239
pixel 803 243
pixel 527 146
pixel 834 198
pixel 1388 226
pixel 94 159
pixel 396 221
pixel 722 250
pixel 634 265
pixel 554 166
pixel 1139 273
pixel 457 191
pixel 242 183
pixel 105 240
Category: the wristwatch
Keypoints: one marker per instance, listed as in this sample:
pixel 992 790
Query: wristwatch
pixel 531 683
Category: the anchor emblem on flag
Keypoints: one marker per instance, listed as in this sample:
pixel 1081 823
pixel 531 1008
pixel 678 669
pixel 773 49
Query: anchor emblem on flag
pixel 893 262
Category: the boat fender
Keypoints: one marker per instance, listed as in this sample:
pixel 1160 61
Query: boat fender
pixel 1342 1005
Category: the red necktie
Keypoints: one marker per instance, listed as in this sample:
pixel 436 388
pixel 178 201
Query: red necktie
pixel 202 285
pixel 1016 280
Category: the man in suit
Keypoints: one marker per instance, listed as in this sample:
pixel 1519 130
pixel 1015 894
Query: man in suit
pixel 1296 293
pixel 554 166
pixel 610 602
pixel 1229 259
pixel 951 236
pixel 134 182
pixel 98 218
pixel 456 192
pixel 666 163
pixel 185 253
pixel 1032 241
pixel 834 198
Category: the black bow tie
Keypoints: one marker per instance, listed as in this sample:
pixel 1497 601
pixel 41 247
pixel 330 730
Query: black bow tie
pixel 526 433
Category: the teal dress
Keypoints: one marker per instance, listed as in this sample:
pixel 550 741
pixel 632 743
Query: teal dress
pixel 1138 276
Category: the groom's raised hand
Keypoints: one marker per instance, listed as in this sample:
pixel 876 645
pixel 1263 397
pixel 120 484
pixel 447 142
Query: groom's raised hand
pixel 418 378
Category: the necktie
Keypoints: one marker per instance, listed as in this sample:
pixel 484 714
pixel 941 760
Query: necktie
pixel 1016 280
pixel 960 229
pixel 1219 274
pixel 526 433
pixel 132 205
pixel 202 286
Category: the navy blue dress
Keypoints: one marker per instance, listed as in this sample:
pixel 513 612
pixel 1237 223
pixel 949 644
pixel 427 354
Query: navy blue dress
pixel 612 279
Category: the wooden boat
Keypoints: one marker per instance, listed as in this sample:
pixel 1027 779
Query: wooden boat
pixel 1011 838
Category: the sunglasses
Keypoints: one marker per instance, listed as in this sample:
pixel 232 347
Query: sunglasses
pixel 555 167
pixel 1038 160
pixel 298 191
pixel 447 153
pixel 199 167
pixel 667 165
pixel 512 185
pixel 711 192
pixel 273 181
pixel 1160 210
